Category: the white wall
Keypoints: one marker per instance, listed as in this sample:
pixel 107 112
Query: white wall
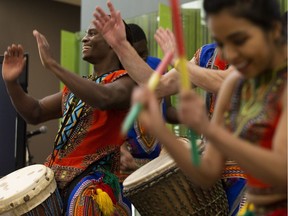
pixel 128 8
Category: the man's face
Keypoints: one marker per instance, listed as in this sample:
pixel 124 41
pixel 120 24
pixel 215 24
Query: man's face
pixel 93 45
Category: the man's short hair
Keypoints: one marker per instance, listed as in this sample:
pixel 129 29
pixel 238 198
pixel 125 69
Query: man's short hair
pixel 129 33
pixel 137 32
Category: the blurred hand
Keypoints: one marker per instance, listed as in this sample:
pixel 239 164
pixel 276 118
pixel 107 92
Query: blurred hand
pixel 151 116
pixel 127 162
pixel 111 27
pixel 13 63
pixel 44 50
pixel 192 111
pixel 166 40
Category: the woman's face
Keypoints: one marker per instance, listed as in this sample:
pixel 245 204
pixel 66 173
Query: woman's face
pixel 242 43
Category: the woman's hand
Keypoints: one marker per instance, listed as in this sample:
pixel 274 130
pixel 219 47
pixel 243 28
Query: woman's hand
pixel 192 111
pixel 151 116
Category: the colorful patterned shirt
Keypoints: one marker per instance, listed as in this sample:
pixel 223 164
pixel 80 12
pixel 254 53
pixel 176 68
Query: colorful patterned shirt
pixel 89 135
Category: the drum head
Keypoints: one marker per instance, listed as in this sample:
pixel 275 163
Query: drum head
pixel 149 171
pixel 23 185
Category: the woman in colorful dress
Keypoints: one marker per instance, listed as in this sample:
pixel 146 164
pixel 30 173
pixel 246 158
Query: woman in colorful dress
pixel 249 123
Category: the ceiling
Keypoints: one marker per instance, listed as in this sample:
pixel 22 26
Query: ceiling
pixel 73 2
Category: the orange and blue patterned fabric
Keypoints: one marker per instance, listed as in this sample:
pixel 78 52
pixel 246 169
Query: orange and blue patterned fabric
pixel 87 136
pixel 142 146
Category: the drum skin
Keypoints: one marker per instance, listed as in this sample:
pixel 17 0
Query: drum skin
pixel 24 190
pixel 160 188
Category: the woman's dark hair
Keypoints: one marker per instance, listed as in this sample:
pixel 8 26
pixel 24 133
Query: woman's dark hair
pixel 263 13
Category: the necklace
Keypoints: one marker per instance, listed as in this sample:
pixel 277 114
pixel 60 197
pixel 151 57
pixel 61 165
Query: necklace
pixel 98 79
pixel 253 97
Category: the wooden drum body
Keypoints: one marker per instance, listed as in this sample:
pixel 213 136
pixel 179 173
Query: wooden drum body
pixel 161 188
pixel 30 190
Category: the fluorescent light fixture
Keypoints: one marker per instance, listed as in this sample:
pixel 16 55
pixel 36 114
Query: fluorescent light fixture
pixel 197 4
pixel 193 4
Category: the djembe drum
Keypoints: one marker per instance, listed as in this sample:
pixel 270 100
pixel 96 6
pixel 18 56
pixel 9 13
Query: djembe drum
pixel 30 190
pixel 161 188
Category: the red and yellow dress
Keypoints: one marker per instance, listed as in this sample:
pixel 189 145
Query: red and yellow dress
pixel 253 115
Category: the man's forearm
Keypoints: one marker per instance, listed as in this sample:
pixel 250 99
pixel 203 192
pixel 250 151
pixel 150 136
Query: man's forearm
pixel 136 67
pixel 206 78
pixel 24 104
